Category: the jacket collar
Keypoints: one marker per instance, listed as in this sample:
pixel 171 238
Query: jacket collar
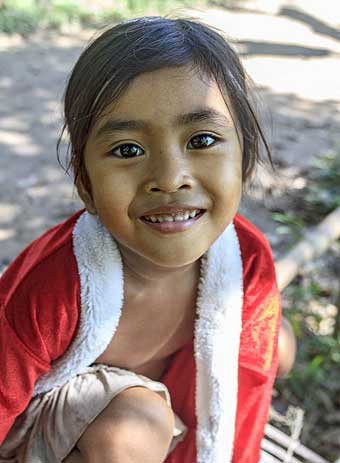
pixel 216 338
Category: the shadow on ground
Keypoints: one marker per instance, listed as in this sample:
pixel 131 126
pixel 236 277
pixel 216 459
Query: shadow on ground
pixel 250 47
pixel 314 23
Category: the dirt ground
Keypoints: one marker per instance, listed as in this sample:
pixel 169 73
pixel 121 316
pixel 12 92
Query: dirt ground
pixel 291 53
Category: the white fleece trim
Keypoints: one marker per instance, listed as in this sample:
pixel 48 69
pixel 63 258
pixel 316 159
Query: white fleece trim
pixel 101 292
pixel 217 329
pixel 217 341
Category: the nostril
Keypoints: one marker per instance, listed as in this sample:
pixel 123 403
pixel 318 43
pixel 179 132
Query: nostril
pixel 168 185
pixel 182 187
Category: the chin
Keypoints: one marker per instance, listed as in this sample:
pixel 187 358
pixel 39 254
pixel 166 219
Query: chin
pixel 173 261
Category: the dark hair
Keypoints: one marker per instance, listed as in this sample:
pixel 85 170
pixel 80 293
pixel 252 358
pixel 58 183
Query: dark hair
pixel 123 52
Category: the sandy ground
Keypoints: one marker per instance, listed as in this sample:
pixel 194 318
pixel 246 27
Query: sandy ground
pixel 290 49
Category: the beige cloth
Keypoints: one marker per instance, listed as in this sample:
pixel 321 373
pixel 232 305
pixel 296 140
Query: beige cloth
pixel 53 422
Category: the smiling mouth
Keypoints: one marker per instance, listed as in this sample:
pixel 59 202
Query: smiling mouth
pixel 177 221
pixel 173 217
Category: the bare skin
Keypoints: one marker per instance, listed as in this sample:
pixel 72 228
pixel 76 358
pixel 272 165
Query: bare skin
pixel 154 324
pixel 144 342
pixel 137 426
pixel 287 348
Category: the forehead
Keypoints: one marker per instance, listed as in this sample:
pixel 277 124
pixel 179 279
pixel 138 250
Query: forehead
pixel 161 97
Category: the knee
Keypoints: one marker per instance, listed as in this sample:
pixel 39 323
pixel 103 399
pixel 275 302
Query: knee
pixel 287 348
pixel 137 426
pixel 140 409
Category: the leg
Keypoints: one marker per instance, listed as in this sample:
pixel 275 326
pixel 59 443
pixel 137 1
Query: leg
pixel 287 348
pixel 136 427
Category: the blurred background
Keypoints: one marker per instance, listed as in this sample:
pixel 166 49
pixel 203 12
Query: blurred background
pixel 291 51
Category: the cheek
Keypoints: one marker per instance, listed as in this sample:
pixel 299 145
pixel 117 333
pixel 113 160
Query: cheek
pixel 228 175
pixel 110 189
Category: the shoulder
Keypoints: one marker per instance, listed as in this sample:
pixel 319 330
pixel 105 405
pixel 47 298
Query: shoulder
pixel 261 300
pixel 40 291
pixel 42 252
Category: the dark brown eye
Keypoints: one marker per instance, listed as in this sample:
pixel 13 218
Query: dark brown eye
pixel 127 150
pixel 202 141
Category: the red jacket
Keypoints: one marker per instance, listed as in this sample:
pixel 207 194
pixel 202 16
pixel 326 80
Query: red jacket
pixel 42 296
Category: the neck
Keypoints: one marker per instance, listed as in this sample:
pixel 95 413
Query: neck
pixel 146 274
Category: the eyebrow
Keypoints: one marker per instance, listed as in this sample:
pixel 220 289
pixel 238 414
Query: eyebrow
pixel 200 115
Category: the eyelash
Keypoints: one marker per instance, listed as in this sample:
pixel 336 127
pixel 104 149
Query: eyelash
pixel 216 139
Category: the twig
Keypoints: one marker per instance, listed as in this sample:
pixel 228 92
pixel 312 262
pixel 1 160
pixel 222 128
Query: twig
pixel 311 246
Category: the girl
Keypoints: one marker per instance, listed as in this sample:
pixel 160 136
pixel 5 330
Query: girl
pixel 144 329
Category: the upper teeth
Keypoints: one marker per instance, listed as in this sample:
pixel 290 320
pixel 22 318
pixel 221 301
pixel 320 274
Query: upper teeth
pixel 177 217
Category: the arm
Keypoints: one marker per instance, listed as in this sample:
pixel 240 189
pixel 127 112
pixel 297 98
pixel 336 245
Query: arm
pixel 38 320
pixel 21 367
pixel 258 360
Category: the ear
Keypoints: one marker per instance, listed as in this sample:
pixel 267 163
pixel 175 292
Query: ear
pixel 85 194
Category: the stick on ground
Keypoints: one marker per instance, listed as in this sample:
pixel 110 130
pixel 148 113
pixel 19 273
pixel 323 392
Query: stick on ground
pixel 313 244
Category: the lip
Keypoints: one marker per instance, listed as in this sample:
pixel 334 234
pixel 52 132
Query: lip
pixel 173 227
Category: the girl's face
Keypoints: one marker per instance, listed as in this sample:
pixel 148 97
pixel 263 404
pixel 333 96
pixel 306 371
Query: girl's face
pixel 168 148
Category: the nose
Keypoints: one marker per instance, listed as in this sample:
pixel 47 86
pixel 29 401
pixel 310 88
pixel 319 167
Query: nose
pixel 169 172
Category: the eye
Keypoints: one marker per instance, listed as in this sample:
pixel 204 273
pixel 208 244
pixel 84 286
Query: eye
pixel 127 150
pixel 205 140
